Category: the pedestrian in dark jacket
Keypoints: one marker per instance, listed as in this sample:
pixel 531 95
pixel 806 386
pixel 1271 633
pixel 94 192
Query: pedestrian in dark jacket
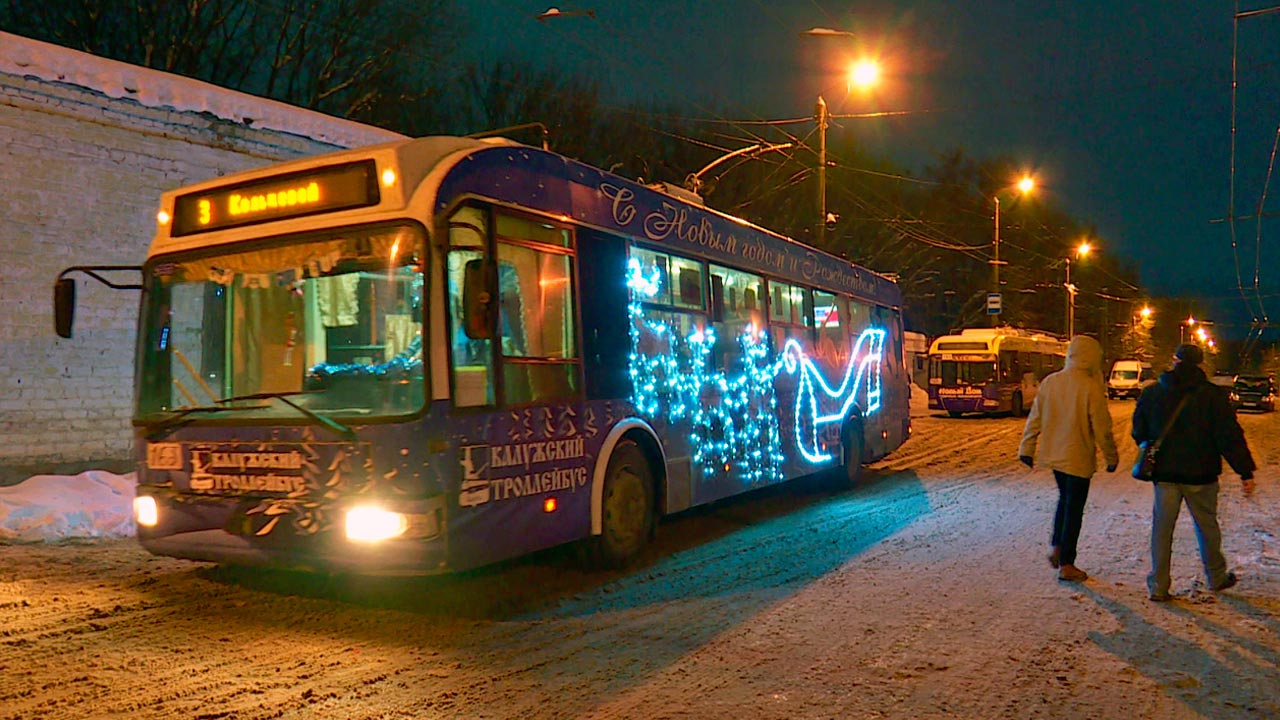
pixel 1189 463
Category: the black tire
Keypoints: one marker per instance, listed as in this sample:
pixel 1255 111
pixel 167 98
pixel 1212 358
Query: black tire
pixel 851 470
pixel 1017 404
pixel 626 508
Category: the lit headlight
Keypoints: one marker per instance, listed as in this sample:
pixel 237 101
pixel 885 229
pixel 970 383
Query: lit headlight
pixel 373 524
pixel 145 511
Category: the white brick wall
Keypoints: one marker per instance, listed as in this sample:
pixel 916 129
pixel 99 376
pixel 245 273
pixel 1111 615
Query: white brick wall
pixel 80 177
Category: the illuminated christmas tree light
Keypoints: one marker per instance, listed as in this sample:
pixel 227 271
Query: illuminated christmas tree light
pixel 733 419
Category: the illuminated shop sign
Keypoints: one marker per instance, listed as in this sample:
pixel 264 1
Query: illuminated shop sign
pixel 339 187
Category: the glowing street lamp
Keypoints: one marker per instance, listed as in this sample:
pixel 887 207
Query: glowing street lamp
pixel 1081 251
pixel 1026 184
pixel 1185 325
pixel 864 74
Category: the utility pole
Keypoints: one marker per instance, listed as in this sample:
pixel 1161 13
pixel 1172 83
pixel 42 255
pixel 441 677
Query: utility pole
pixel 821 111
pixel 995 260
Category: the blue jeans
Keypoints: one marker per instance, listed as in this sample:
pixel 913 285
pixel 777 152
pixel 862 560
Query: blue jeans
pixel 1073 491
pixel 1202 501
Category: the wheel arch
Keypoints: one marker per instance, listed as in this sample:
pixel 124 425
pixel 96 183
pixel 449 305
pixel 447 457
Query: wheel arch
pixel 643 435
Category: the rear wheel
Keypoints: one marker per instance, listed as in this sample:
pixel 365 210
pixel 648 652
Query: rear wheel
pixel 626 507
pixel 852 470
pixel 1017 404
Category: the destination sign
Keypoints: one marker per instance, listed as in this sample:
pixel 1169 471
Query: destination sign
pixel 327 189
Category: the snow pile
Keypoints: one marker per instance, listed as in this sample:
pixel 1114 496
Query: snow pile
pixel 52 507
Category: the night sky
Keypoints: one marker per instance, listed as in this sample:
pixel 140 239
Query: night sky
pixel 1123 109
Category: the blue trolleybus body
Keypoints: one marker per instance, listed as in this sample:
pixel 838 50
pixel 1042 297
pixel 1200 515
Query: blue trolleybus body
pixel 439 353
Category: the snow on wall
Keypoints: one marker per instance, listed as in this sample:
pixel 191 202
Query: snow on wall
pixel 87 146
pixel 152 88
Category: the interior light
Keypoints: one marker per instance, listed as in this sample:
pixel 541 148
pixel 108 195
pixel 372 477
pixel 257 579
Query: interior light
pixel 388 177
pixel 373 524
pixel 163 217
pixel 549 505
pixel 145 511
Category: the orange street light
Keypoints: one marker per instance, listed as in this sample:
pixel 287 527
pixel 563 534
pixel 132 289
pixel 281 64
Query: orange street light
pixel 1025 185
pixel 864 74
pixel 1081 251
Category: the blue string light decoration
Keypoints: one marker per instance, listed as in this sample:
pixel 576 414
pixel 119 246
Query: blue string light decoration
pixel 406 363
pixel 734 419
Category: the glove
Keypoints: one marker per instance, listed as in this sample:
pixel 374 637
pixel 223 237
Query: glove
pixel 1027 460
pixel 1111 467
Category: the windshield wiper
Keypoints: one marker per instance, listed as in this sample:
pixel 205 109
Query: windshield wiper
pixel 181 417
pixel 186 415
pixel 346 432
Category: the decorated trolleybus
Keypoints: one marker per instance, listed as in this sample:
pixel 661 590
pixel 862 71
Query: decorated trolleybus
pixel 439 353
pixel 991 370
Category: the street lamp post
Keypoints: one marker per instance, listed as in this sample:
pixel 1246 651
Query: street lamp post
pixel 1025 186
pixel 1082 250
pixel 864 74
pixel 821 111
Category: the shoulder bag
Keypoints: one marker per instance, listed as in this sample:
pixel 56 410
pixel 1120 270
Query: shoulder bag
pixel 1144 468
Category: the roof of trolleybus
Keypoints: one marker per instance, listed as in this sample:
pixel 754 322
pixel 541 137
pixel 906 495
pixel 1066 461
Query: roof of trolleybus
pixel 415 178
pixel 977 341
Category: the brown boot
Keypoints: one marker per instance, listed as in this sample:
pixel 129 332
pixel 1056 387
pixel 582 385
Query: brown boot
pixel 1071 573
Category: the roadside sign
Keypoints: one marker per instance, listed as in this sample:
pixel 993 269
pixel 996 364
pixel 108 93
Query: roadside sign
pixel 993 303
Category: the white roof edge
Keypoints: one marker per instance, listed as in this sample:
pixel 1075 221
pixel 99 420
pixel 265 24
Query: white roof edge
pixel 25 57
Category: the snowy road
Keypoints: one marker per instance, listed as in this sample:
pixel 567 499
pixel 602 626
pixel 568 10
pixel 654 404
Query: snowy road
pixel 922 594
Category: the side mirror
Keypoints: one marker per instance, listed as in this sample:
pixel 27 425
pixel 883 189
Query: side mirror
pixel 64 306
pixel 477 300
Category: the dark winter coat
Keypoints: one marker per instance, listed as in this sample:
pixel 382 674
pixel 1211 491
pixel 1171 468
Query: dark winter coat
pixel 1205 431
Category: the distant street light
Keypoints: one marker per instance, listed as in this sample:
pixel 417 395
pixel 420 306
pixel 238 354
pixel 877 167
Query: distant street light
pixel 1183 326
pixel 1082 251
pixel 1025 185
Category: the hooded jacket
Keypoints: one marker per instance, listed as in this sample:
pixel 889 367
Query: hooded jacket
pixel 1203 433
pixel 1069 420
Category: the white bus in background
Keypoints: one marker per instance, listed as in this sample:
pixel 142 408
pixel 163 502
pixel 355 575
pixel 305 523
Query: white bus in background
pixel 991 370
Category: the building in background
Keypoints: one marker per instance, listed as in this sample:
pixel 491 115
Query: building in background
pixel 87 145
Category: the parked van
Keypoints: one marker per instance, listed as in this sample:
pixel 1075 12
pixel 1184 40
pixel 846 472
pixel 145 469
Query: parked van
pixel 1128 378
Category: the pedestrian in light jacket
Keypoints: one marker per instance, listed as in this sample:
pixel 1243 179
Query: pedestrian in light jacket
pixel 1189 463
pixel 1068 424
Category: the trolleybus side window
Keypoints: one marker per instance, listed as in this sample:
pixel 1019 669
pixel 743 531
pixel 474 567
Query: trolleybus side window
pixel 537 310
pixel 738 308
pixel 790 316
pixel 673 314
pixel 830 317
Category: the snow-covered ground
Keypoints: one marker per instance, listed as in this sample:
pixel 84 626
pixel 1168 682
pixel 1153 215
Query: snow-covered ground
pixel 923 593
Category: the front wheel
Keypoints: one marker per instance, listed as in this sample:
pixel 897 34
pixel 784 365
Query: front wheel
pixel 626 507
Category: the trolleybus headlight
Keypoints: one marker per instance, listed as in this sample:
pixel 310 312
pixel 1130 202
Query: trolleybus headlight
pixel 145 511
pixel 373 524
